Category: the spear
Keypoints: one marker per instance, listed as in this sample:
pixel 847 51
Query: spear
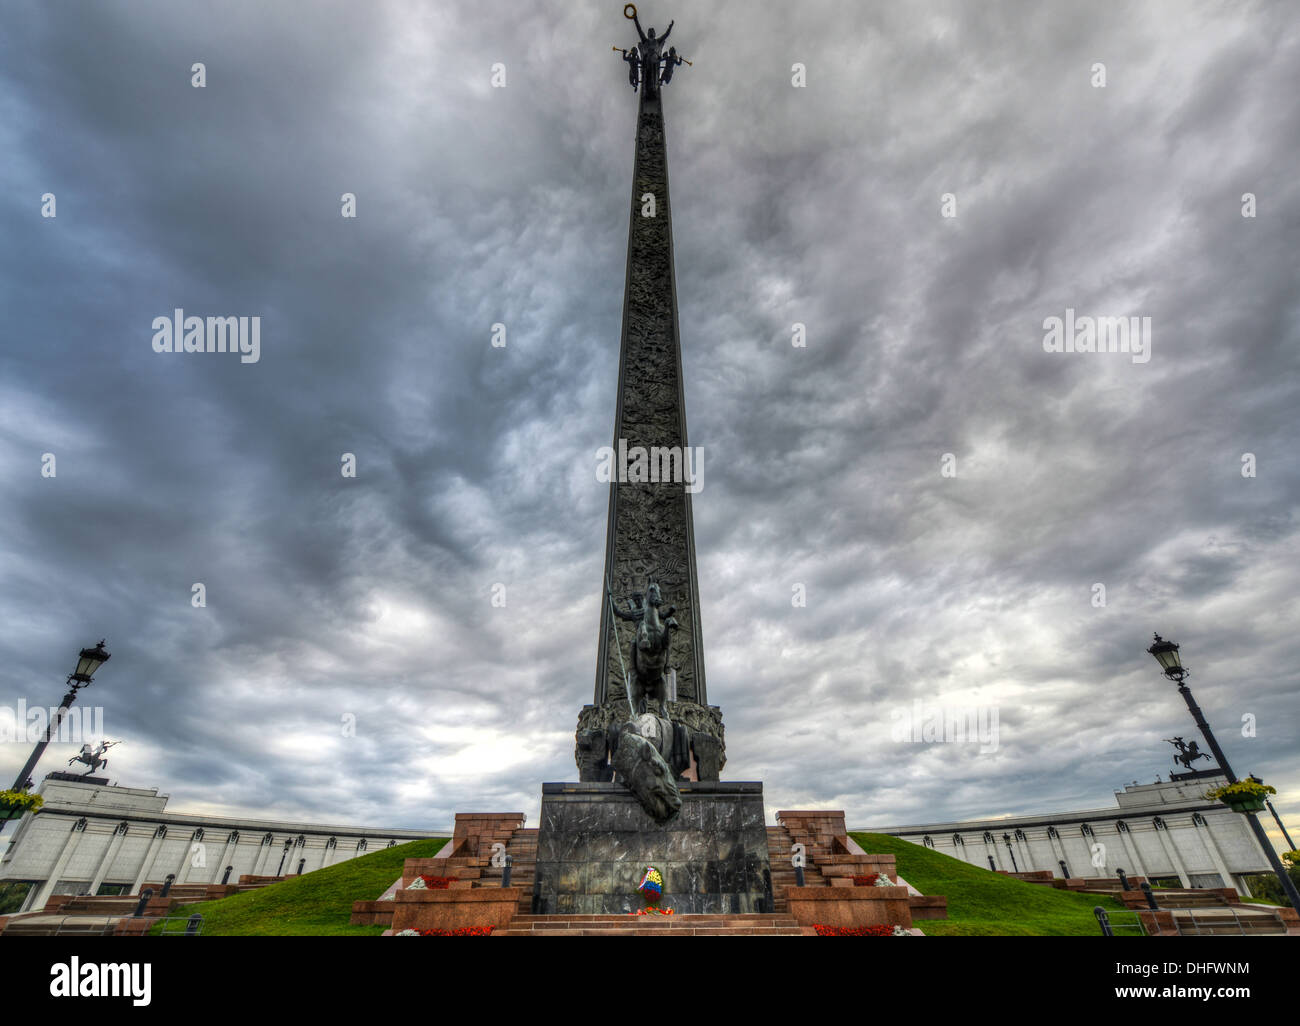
pixel 618 645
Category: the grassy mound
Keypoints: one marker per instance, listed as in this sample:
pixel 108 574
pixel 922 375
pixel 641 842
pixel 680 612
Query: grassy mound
pixel 986 904
pixel 316 904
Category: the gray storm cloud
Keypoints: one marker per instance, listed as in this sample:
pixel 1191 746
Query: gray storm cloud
pixel 373 597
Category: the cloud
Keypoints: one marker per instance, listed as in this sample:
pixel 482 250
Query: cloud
pixel 372 597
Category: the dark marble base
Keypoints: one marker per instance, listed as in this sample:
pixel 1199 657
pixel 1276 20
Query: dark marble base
pixel 594 842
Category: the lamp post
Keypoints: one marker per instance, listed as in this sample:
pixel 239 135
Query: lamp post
pixel 90 660
pixel 1280 825
pixel 1166 654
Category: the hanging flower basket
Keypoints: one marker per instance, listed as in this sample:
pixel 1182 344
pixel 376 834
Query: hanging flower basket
pixel 1244 796
pixel 14 803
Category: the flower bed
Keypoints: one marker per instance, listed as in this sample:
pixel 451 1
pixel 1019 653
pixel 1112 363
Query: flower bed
pixel 882 930
pixel 431 883
pixel 873 880
pixel 464 931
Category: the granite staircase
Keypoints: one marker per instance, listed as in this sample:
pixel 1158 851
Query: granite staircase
pixel 98 915
pixel 779 843
pixel 521 846
pixel 1181 911
pixel 833 859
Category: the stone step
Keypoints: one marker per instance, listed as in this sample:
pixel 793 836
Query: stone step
pixel 252 883
pixel 99 906
pixel 723 919
pixel 1191 901
pixel 643 923
pixel 689 925
pixel 63 926
pixel 189 888
pixel 1253 928
pixel 637 931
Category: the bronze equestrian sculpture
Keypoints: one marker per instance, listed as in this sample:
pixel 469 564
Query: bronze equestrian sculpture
pixel 649 650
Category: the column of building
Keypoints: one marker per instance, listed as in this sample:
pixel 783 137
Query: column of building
pixel 119 835
pixel 61 863
pixel 146 866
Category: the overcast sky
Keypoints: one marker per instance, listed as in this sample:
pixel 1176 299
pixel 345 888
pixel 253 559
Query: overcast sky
pixel 371 597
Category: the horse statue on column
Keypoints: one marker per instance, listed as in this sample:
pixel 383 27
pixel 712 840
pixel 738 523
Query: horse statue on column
pixel 94 758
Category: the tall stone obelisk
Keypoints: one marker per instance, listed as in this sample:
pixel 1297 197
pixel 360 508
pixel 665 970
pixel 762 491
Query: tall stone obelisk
pixel 650 537
pixel 649 755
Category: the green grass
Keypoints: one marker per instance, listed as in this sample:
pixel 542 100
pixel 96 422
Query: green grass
pixel 985 904
pixel 316 904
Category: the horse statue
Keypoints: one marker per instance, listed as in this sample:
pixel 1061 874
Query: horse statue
pixel 649 649
pixel 1187 754
pixel 93 758
pixel 644 772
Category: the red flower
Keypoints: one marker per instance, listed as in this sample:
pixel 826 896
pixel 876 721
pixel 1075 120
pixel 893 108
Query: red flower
pixel 464 931
pixel 883 930
pixel 437 883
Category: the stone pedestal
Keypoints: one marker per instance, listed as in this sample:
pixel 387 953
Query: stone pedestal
pixel 595 840
pixel 849 906
pixel 454 909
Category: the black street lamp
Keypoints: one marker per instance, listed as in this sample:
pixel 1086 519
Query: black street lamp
pixel 1280 825
pixel 1166 654
pixel 90 660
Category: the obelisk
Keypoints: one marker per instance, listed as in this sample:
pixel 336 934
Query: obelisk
pixel 650 538
pixel 649 793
